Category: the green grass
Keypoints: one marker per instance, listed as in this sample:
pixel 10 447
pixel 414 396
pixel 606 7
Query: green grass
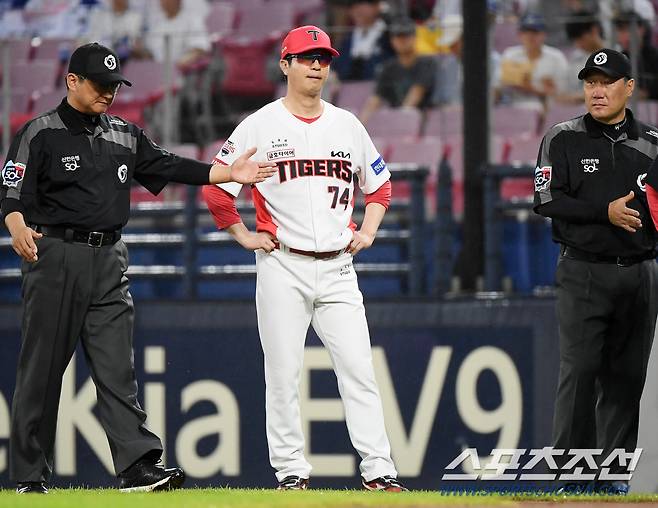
pixel 253 498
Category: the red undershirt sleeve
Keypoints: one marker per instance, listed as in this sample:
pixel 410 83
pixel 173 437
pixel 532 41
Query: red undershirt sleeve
pixel 652 198
pixel 381 195
pixel 221 205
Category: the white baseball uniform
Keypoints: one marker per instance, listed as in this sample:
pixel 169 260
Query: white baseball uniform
pixel 308 206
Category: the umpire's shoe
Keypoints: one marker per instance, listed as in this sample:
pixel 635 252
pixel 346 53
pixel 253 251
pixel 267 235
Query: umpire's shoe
pixel 293 483
pixel 147 476
pixel 31 488
pixel 384 483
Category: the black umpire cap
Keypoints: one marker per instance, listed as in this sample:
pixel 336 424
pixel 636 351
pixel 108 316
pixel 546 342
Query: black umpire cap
pixel 98 63
pixel 608 61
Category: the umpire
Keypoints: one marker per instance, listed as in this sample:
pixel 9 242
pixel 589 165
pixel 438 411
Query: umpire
pixel 590 180
pixel 65 196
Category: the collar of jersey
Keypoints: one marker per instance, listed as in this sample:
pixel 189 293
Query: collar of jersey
pixel 73 123
pixel 293 120
pixel 595 130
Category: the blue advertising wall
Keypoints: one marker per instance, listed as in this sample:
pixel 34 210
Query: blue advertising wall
pixel 453 375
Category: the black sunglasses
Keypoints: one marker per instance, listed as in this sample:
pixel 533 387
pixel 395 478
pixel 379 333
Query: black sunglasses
pixel 324 59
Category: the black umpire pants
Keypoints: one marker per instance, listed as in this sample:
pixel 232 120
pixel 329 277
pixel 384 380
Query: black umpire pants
pixel 607 316
pixel 74 292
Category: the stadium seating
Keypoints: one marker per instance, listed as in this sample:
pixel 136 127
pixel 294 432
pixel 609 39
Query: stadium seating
pixel 395 123
pixel 557 113
pixel 265 21
pixel 221 19
pixel 36 75
pixel 53 48
pixel 352 95
pixel 245 62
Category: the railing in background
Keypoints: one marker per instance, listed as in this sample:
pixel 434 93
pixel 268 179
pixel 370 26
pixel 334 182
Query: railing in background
pixel 494 212
pixel 190 239
pixel 444 229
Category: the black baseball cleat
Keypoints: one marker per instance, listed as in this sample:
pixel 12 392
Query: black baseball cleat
pixel 31 488
pixel 293 483
pixel 147 476
pixel 384 483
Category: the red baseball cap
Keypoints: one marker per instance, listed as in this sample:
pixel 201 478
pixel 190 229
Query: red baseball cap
pixel 305 38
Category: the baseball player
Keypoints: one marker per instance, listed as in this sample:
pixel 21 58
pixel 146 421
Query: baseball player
pixel 304 244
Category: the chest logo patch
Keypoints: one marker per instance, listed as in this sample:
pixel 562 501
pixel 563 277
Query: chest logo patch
pixel 590 165
pixel 12 173
pixel 640 182
pixel 71 162
pixel 122 173
pixel 288 153
pixel 543 178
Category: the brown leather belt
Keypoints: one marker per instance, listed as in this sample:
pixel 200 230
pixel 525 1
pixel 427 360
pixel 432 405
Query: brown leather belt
pixel 312 254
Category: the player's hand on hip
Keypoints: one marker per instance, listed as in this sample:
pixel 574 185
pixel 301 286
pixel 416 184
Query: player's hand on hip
pixel 246 171
pixel 255 241
pixel 360 241
pixel 23 243
pixel 620 215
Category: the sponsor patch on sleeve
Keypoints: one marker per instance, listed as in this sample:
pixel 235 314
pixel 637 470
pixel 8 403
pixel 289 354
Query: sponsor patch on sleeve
pixel 227 148
pixel 543 178
pixel 12 173
pixel 379 165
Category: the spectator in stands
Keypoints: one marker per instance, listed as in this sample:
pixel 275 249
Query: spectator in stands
pixel 116 24
pixel 183 25
pixel 366 46
pixel 57 18
pixel 407 80
pixel 532 72
pixel 642 17
pixel 449 75
pixel 585 32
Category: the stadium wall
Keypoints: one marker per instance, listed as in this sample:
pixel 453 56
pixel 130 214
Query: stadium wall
pixel 454 375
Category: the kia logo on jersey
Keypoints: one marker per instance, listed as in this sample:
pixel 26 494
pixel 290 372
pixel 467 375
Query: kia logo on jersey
pixel 341 154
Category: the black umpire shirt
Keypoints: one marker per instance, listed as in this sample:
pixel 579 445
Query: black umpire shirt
pixel 65 168
pixel 582 167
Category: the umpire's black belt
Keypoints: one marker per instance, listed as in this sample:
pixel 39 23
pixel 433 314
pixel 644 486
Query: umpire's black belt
pixel 91 238
pixel 581 255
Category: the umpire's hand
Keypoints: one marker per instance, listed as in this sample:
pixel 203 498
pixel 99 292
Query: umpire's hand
pixel 23 243
pixel 622 216
pixel 246 171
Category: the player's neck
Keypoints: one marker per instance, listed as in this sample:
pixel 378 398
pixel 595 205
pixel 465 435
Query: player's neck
pixel 303 105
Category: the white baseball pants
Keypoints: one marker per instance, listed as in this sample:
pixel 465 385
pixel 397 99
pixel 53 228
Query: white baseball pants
pixel 292 291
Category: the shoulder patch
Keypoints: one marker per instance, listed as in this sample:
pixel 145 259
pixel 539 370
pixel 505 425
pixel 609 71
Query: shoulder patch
pixel 227 148
pixel 12 173
pixel 543 178
pixel 379 165
pixel 117 121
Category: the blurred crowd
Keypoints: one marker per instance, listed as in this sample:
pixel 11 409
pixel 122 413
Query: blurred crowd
pixel 135 29
pixel 409 50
